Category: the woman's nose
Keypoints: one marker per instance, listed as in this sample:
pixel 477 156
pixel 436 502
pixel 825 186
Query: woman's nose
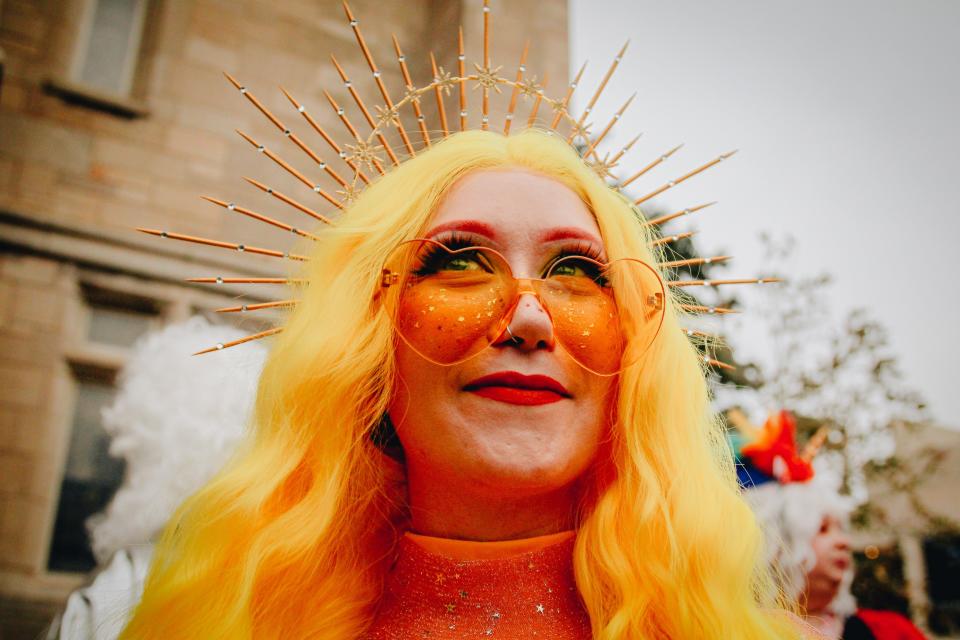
pixel 530 326
pixel 842 541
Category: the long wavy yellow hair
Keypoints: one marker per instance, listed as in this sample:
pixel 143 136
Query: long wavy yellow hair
pixel 294 537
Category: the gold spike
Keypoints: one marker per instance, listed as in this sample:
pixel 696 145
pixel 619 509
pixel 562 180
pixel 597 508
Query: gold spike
pixel 256 307
pixel 486 33
pixel 536 102
pixel 296 174
pixel 355 25
pixel 408 81
pixel 696 308
pixel 690 333
pixel 290 201
pixel 716 363
pixel 259 216
pixel 323 134
pixel 516 89
pixel 693 261
pixel 353 131
pixel 254 101
pixel 485 108
pixel 223 245
pixel 659 159
pixel 438 90
pixel 814 443
pixel 226 345
pixel 222 280
pixel 685 176
pixel 626 147
pixel 606 130
pixel 285 130
pixel 714 283
pixel 669 239
pixel 343 117
pixel 603 84
pixel 462 71
pixel 742 423
pixel 566 99
pixel 672 216
pixel 363 109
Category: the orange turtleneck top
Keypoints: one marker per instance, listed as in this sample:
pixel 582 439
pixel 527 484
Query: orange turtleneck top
pixel 442 588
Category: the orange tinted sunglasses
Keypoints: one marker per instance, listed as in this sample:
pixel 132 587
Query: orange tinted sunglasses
pixel 449 305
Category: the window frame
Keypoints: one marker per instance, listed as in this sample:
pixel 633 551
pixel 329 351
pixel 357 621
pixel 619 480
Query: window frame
pixel 81 49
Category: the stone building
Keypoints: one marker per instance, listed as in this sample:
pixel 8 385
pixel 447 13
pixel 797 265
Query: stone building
pixel 115 115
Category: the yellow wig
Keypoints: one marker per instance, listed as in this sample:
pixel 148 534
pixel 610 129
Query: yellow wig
pixel 294 537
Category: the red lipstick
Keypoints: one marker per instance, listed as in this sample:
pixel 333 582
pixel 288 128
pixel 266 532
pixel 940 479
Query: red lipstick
pixel 512 387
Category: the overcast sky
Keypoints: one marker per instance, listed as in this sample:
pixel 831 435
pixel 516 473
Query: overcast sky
pixel 847 117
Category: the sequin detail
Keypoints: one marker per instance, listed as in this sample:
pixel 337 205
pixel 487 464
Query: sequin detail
pixel 530 595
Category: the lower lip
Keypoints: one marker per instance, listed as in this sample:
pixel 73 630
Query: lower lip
pixel 513 395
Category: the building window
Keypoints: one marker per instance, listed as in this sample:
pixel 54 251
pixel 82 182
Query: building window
pixel 108 45
pixel 118 319
pixel 942 555
pixel 114 322
pixel 91 475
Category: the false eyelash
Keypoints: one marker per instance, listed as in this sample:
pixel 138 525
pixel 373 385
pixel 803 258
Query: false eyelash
pixel 581 248
pixel 454 240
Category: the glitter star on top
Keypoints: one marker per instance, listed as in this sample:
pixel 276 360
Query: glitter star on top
pixel 503 595
pixel 488 78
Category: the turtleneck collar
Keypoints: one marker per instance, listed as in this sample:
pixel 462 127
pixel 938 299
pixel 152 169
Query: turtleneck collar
pixel 442 588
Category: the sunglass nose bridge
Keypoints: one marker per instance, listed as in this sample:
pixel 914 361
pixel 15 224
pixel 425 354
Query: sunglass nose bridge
pixel 525 285
pixel 531 286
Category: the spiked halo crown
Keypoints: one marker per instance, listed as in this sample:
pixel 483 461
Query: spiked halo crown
pixel 368 155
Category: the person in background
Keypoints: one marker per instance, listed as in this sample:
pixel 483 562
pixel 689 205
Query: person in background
pixel 175 420
pixel 806 523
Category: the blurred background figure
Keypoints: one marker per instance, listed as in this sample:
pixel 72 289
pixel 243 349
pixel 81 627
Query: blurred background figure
pixel 806 522
pixel 174 422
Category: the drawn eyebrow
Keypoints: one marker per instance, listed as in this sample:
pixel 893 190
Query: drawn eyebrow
pixel 564 233
pixel 472 226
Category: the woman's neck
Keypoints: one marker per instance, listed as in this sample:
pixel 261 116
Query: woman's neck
pixel 448 590
pixel 449 510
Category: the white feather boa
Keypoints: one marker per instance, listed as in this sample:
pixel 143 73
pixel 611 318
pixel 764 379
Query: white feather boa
pixel 175 421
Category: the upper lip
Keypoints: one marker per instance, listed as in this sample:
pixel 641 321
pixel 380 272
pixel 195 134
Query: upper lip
pixel 518 381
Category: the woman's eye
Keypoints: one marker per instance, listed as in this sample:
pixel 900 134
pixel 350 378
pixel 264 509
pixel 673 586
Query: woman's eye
pixel 573 268
pixel 568 269
pixel 461 263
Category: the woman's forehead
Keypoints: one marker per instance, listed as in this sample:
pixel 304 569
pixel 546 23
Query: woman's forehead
pixel 514 202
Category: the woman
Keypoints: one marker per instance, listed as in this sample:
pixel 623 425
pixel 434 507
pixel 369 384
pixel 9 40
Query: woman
pixel 410 476
pixel 810 549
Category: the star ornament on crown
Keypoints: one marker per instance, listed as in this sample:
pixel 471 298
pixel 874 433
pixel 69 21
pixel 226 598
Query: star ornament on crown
pixel 369 155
